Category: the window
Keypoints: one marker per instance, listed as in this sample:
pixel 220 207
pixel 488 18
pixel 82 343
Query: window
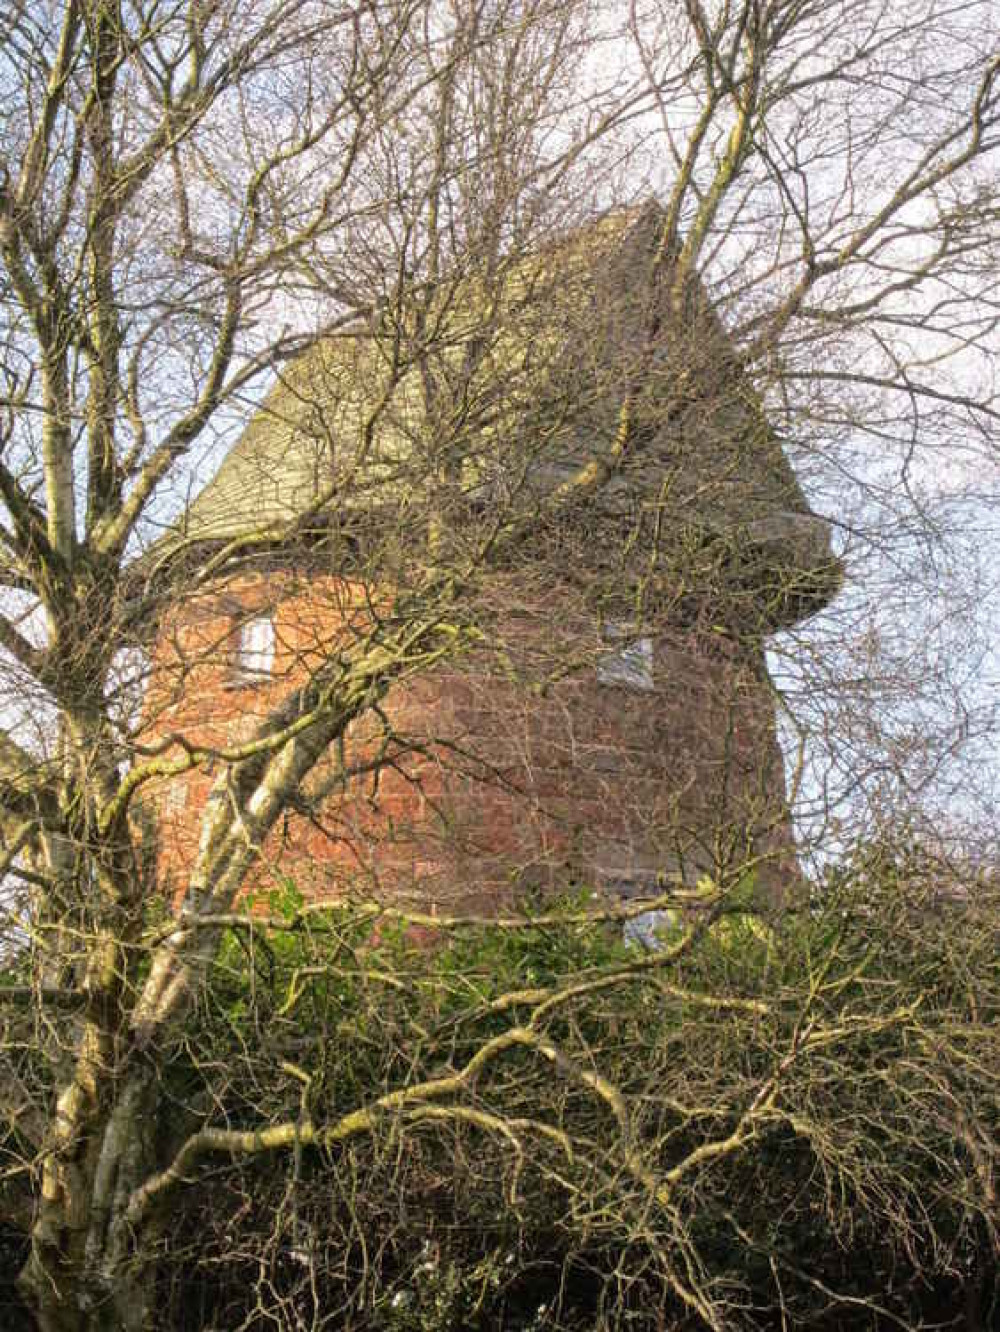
pixel 649 929
pixel 630 664
pixel 175 796
pixel 255 652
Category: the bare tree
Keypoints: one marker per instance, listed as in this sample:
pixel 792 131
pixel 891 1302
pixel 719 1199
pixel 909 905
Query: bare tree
pixel 848 218
pixel 510 429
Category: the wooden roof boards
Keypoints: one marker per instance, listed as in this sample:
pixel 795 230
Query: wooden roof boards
pixel 576 375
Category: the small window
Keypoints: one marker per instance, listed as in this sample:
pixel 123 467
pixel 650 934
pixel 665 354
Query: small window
pixel 255 652
pixel 175 796
pixel 630 664
pixel 649 929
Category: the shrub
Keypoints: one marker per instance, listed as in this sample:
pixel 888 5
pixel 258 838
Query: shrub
pixel 745 1128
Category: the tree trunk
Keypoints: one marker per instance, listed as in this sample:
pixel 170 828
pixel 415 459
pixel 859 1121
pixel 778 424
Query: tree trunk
pixel 76 1307
pixel 86 1270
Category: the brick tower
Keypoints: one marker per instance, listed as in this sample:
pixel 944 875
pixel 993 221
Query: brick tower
pixel 573 445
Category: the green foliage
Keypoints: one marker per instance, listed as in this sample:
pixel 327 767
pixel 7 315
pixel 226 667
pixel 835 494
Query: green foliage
pixel 816 1104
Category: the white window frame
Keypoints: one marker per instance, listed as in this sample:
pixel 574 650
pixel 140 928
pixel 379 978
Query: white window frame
pixel 255 648
pixel 630 664
pixel 175 796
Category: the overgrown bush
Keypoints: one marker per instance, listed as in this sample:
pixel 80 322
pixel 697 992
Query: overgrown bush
pixel 793 1127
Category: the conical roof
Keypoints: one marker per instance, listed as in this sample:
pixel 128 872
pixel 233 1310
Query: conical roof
pixel 585 374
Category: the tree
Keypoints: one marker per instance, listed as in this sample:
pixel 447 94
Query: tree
pixel 191 197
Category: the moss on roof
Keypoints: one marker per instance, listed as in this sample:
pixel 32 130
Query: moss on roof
pixel 502 387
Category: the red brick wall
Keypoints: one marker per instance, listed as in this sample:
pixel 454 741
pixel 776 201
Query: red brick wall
pixel 513 767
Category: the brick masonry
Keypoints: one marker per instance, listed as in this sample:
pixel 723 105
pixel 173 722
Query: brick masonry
pixel 512 770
